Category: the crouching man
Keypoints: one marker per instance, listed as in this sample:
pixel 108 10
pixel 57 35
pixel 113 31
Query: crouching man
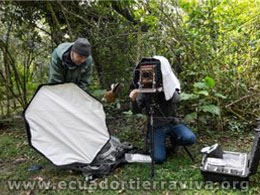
pixel 72 62
pixel 165 121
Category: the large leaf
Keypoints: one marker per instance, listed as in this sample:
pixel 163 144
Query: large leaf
pixel 210 82
pixel 98 93
pixel 187 96
pixel 220 95
pixel 200 85
pixel 190 117
pixel 213 109
pixel 203 92
pixel 129 112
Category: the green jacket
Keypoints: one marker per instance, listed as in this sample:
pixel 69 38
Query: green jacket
pixel 61 71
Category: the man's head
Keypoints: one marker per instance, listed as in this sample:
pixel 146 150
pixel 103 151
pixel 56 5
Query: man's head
pixel 80 50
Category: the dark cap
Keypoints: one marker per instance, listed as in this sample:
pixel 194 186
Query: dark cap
pixel 82 47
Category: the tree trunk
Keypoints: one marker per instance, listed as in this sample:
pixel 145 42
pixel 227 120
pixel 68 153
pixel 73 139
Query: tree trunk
pixel 2 107
pixel 99 68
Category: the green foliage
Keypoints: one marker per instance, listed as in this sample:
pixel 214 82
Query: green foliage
pixel 98 93
pixel 236 126
pixel 219 38
pixel 213 109
pixel 203 100
pixel 186 96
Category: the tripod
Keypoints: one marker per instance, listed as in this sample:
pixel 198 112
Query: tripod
pixel 150 107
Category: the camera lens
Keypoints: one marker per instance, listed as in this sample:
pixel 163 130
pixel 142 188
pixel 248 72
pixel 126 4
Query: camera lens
pixel 146 75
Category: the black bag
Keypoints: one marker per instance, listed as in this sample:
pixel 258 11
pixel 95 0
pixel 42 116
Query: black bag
pixel 109 158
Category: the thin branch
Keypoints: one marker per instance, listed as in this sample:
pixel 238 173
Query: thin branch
pixel 48 33
pixel 66 18
pixel 53 15
pixel 124 12
pixel 10 89
pixel 80 17
pixel 238 100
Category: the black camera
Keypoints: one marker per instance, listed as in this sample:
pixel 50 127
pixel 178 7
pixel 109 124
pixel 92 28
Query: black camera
pixel 148 76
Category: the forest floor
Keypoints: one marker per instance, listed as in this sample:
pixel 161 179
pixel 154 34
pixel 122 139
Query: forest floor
pixel 178 175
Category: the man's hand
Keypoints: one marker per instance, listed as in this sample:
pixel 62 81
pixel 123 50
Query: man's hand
pixel 133 94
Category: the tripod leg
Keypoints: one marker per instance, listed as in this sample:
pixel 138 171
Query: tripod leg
pixel 152 150
pixel 148 139
pixel 152 141
pixel 191 157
